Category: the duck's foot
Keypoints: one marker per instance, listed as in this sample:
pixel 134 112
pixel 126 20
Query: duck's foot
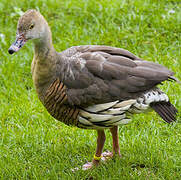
pixel 105 157
pixel 88 166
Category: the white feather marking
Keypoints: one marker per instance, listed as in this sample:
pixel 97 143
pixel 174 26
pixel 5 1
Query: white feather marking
pixel 84 121
pixel 124 121
pixel 163 97
pixel 166 98
pixel 154 96
pixel 125 108
pixel 100 107
pixel 150 97
pixel 140 100
pixel 141 106
pixel 113 111
pixel 82 63
pixel 95 117
pixel 115 119
pixel 125 103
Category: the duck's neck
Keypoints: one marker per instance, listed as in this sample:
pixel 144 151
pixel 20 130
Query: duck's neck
pixel 43 65
pixel 43 46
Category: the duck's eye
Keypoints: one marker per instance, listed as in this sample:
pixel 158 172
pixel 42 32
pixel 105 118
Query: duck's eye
pixel 32 26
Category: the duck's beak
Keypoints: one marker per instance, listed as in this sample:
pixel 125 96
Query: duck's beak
pixel 18 44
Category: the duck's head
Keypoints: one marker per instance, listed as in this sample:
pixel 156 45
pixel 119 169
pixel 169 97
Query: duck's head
pixel 31 25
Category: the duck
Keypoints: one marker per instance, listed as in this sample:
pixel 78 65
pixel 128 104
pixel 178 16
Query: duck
pixel 94 87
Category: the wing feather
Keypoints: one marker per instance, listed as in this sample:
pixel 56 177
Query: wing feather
pixel 113 74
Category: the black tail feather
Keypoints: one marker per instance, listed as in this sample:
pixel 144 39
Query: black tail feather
pixel 166 110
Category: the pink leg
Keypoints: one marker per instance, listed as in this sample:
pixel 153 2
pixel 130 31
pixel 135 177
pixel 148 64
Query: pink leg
pixel 100 144
pixel 114 132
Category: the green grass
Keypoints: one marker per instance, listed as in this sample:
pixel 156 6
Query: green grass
pixel 33 145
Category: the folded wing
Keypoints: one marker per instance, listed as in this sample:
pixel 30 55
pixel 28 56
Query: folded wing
pixel 113 74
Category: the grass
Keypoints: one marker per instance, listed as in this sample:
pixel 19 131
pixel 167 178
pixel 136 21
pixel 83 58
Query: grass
pixel 33 145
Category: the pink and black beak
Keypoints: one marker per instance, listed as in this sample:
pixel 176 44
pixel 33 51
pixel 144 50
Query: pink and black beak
pixel 18 44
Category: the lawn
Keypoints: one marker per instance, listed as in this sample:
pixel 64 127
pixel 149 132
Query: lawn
pixel 33 145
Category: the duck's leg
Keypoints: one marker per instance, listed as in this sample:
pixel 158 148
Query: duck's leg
pixel 97 157
pixel 116 150
pixel 115 138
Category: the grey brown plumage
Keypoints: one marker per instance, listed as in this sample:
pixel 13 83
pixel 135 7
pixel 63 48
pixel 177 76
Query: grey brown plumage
pixel 83 76
pixel 92 86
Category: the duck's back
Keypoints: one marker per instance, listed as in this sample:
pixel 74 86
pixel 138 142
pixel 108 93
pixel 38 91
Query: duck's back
pixel 102 74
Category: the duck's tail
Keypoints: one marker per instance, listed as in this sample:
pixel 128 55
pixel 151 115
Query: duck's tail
pixel 166 110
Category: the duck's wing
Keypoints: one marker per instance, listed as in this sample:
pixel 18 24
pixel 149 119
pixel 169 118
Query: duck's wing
pixel 101 74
